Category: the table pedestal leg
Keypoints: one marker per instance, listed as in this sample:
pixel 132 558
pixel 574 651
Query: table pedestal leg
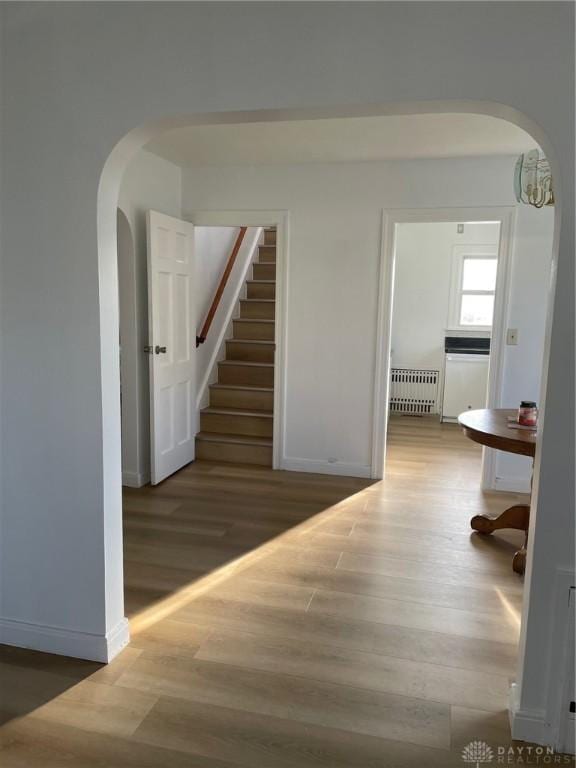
pixel 516 517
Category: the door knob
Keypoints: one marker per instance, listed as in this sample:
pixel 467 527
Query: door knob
pixel 160 350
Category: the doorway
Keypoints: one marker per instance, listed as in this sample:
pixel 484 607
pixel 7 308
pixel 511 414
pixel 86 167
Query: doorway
pixel 266 258
pixel 444 288
pixel 225 282
pixel 445 283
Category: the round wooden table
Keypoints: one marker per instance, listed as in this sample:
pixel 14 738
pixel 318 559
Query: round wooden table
pixel 489 427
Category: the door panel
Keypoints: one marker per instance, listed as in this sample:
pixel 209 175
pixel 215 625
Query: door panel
pixel 171 316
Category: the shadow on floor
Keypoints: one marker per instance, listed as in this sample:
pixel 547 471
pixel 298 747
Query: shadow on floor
pixel 208 516
pixel 30 679
pixel 203 518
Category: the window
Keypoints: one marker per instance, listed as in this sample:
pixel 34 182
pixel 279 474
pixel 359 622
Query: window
pixel 473 286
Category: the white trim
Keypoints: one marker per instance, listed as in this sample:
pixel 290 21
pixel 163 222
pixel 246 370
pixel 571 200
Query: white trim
pixel 498 337
pixel 525 725
pixel 280 220
pixel 66 642
pixel 511 484
pixel 565 734
pixel 321 467
pixel 134 479
pixel 548 726
pixel 209 376
pixel 390 218
pixel 383 347
pixel 560 645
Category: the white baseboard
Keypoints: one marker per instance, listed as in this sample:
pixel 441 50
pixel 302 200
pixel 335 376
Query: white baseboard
pixel 320 467
pixel 65 642
pixel 525 725
pixel 512 484
pixel 134 479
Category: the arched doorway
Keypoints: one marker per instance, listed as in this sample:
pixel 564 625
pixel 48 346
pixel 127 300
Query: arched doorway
pixel 130 144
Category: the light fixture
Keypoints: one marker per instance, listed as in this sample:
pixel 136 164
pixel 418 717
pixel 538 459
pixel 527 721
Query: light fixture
pixel 533 180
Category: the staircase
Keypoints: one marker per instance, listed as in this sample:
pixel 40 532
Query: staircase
pixel 237 425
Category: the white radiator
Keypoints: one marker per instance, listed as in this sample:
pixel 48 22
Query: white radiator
pixel 413 391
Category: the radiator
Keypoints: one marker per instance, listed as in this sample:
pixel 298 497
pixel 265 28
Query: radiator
pixel 413 391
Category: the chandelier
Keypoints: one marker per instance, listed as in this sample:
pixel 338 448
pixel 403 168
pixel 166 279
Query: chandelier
pixel 533 180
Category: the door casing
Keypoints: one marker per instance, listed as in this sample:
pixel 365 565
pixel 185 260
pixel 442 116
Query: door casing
pixel 279 219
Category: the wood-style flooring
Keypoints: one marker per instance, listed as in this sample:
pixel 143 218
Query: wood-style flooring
pixel 284 620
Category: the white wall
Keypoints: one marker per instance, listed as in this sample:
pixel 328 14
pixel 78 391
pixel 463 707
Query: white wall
pixel 76 79
pixel 213 247
pixel 335 215
pixel 149 183
pixel 422 279
pixel 422 290
pixel 130 351
pixel 530 278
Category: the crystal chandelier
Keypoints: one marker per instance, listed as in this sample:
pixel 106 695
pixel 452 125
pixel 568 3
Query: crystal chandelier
pixel 533 180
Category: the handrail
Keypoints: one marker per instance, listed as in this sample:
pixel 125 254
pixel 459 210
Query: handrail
pixel 201 337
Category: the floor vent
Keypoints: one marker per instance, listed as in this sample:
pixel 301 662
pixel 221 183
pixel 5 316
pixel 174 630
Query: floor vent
pixel 413 391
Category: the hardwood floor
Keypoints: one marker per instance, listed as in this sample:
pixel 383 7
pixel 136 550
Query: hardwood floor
pixel 291 620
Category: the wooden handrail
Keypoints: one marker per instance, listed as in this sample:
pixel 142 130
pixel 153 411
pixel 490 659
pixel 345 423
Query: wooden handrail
pixel 201 337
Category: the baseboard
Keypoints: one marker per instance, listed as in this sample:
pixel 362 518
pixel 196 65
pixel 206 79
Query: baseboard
pixel 65 642
pixel 526 725
pixel 317 466
pixel 134 479
pixel 512 484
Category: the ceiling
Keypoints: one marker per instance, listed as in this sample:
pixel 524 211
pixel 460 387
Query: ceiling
pixel 342 140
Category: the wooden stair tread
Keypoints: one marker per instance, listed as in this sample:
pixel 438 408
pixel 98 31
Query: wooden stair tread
pixel 250 388
pixel 227 411
pixel 266 301
pixel 252 319
pixel 237 425
pixel 246 362
pixel 216 437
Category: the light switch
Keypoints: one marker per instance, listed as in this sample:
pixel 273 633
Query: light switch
pixel 512 336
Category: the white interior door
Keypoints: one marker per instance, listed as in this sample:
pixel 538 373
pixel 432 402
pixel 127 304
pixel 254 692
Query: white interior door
pixel 172 339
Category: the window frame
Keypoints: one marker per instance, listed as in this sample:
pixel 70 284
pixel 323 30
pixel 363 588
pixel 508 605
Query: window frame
pixel 459 254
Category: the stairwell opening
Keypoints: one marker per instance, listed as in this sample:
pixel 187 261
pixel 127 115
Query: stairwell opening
pixel 237 422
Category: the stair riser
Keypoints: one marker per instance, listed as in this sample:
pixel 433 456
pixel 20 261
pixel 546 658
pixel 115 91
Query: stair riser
pixel 241 398
pixel 234 453
pixel 256 331
pixel 258 310
pixel 261 290
pixel 228 424
pixel 252 353
pixel 267 254
pixel 251 376
pixel 264 271
pixel 269 237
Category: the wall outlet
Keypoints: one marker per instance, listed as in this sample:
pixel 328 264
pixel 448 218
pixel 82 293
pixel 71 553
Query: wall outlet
pixel 460 229
pixel 512 336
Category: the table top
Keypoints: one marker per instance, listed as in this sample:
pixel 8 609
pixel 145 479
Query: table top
pixel 489 426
